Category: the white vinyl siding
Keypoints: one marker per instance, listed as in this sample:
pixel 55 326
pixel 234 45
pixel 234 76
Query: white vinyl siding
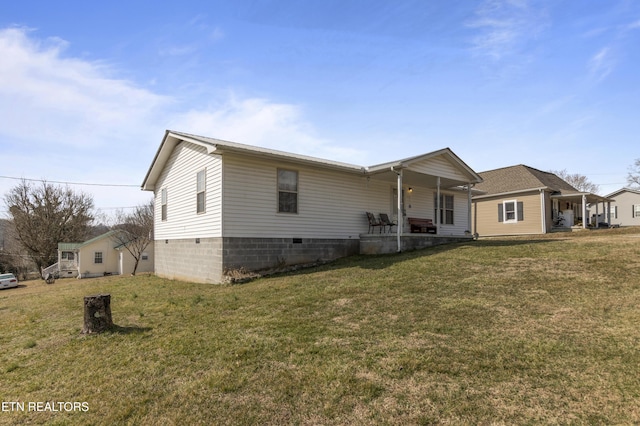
pixel 183 221
pixel 438 166
pixel 330 204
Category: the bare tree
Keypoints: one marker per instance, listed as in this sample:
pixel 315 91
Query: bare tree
pixel 44 215
pixel 135 231
pixel 633 178
pixel 578 181
pixel 13 256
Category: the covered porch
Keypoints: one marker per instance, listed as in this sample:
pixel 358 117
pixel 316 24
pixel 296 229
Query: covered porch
pixel 571 210
pixel 435 187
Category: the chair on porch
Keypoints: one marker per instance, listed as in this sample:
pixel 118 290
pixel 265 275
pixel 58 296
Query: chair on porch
pixel 384 219
pixel 373 222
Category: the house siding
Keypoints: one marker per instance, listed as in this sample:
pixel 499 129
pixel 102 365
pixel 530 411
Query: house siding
pixel 179 179
pixel 485 215
pixel 330 204
pixel 624 201
pixel 128 261
pixel 438 166
pixel 86 259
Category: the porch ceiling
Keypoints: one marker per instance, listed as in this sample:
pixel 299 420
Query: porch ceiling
pixel 577 197
pixel 411 178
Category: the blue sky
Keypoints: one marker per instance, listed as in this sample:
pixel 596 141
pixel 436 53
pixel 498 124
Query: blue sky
pixel 87 89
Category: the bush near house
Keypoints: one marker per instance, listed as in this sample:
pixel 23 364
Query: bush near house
pixel 500 331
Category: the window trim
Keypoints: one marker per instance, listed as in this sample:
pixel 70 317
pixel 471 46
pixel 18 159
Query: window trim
pixel 287 191
pixel 518 211
pixel 201 191
pixel 442 218
pixel 163 204
pixel 505 211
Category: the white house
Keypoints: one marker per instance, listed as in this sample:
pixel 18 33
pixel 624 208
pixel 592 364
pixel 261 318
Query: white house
pixel 221 205
pixel 102 255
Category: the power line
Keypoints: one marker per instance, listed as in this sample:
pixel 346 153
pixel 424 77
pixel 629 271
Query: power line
pixel 70 183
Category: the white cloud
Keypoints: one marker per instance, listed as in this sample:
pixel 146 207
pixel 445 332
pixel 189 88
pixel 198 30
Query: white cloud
pixel 262 123
pixel 601 64
pixel 503 26
pixel 69 119
pixel 48 98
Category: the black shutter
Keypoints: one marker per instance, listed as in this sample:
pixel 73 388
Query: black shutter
pixel 500 213
pixel 520 211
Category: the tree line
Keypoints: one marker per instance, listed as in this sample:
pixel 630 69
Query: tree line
pixel 43 215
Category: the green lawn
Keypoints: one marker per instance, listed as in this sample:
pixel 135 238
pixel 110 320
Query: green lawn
pixel 544 330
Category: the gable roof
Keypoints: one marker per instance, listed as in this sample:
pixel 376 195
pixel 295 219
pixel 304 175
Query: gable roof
pixel 77 246
pixel 521 178
pixel 621 190
pixel 172 139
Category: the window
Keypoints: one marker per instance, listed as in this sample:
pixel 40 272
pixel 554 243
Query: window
pixel 97 257
pixel 145 256
pixel 163 203
pixel 511 211
pixel 636 210
pixel 614 212
pixel 67 255
pixel 446 208
pixel 287 191
pixel 201 186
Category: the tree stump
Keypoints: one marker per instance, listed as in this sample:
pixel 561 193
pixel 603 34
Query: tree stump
pixel 97 314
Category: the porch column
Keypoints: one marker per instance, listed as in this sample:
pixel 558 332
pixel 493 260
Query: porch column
pixel 609 213
pixel 584 211
pixel 400 213
pixel 543 212
pixel 597 214
pixel 469 208
pixel 438 206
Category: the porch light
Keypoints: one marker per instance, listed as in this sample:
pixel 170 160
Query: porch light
pixel 410 189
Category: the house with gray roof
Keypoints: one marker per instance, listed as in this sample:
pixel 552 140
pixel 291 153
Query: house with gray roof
pixel 520 200
pixel 222 207
pixel 623 211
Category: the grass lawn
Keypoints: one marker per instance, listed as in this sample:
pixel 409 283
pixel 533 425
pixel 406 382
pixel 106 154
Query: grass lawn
pixel 540 330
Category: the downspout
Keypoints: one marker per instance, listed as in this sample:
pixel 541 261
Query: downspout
pixel 400 215
pixel 438 206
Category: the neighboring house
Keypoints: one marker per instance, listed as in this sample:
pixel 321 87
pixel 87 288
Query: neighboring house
pixel 523 200
pixel 624 211
pixel 102 255
pixel 223 206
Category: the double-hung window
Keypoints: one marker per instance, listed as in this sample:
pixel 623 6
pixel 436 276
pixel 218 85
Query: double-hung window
pixel 287 191
pixel 163 203
pixel 636 210
pixel 97 257
pixel 511 211
pixel 446 208
pixel 201 190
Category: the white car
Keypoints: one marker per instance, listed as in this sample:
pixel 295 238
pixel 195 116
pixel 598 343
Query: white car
pixel 8 281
